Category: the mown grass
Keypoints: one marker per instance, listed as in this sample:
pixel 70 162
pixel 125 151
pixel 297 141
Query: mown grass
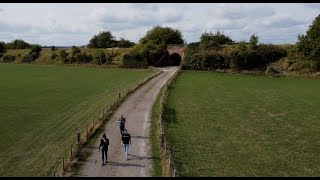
pixel 154 138
pixel 42 107
pixel 240 125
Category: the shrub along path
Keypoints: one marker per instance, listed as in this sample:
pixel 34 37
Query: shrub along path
pixel 136 109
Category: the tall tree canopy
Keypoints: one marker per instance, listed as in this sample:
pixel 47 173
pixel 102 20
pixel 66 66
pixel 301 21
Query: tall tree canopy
pixel 102 40
pixel 309 44
pixel 163 35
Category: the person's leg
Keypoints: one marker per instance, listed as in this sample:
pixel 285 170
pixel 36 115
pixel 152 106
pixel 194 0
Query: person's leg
pixel 126 149
pixel 106 153
pixel 121 131
pixel 102 156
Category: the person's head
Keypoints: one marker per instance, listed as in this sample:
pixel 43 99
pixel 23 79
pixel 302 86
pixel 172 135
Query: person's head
pixel 125 131
pixel 121 115
pixel 104 135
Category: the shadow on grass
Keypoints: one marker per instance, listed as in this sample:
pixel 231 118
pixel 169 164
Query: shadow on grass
pixel 169 115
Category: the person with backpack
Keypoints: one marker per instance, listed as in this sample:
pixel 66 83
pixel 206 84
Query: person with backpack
pixel 126 139
pixel 103 147
pixel 122 122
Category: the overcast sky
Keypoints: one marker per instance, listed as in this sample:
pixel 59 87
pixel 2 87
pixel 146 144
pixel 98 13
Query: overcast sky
pixel 74 24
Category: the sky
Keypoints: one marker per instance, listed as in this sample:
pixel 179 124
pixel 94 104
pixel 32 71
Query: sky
pixel 63 24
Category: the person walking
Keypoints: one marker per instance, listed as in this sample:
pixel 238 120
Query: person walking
pixel 122 122
pixel 103 147
pixel 126 140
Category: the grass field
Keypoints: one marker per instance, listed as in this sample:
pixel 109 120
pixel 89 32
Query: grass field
pixel 42 107
pixel 240 125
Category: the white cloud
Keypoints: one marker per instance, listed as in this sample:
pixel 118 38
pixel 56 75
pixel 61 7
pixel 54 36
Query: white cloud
pixel 313 5
pixel 75 24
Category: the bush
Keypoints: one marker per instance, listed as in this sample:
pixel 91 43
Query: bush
pixel 214 41
pixel 33 54
pixel 270 53
pixel 54 56
pixel 8 58
pixel 75 50
pixel 123 43
pixel 29 58
pixel 63 56
pixel 143 55
pixel 99 57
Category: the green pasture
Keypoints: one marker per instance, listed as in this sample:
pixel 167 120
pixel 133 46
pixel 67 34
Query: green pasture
pixel 239 125
pixel 42 108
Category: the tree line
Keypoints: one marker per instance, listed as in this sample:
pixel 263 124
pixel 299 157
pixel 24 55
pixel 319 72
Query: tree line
pixel 214 50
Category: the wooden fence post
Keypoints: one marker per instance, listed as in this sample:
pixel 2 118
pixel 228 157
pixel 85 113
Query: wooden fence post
pixel 162 139
pixel 71 150
pixel 54 173
pixel 78 138
pixel 119 95
pixel 62 163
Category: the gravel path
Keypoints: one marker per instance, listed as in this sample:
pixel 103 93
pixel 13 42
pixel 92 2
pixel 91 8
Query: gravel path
pixel 137 111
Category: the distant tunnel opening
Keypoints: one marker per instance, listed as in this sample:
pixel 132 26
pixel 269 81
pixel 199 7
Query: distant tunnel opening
pixel 174 59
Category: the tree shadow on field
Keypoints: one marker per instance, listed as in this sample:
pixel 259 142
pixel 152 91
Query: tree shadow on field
pixel 169 115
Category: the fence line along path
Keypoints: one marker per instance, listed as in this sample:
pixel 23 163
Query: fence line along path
pixel 137 111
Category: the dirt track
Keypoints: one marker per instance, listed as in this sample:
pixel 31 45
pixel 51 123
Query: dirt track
pixel 136 109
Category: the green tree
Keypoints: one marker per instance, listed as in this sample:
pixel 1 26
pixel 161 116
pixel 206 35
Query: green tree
pixel 2 47
pixel 163 35
pixel 53 48
pixel 102 40
pixel 253 43
pixel 309 44
pixel 18 44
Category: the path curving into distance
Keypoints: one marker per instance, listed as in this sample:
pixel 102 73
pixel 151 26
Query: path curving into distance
pixel 137 111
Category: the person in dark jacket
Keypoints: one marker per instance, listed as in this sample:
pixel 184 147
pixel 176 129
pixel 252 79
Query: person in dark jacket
pixel 103 147
pixel 122 122
pixel 126 139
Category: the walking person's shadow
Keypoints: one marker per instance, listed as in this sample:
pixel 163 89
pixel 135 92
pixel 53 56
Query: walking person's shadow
pixel 124 164
pixel 142 157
